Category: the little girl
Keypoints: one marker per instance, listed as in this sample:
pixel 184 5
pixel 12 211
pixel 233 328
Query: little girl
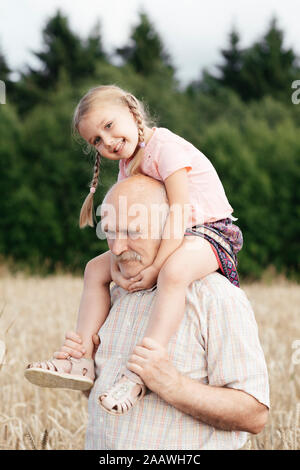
pixel 116 124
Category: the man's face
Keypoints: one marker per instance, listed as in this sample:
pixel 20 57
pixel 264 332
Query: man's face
pixel 132 232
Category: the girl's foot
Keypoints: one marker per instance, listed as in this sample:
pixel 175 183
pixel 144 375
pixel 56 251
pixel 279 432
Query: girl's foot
pixel 76 374
pixel 122 397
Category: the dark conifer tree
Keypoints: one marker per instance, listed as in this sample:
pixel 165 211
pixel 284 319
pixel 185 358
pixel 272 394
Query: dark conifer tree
pixel 4 68
pixel 265 68
pixel 64 56
pixel 233 63
pixel 268 67
pixel 65 50
pixel 145 52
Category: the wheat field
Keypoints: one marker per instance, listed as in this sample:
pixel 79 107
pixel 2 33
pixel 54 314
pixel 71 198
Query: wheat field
pixel 42 309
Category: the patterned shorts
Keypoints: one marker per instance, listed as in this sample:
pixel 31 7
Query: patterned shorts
pixel 226 240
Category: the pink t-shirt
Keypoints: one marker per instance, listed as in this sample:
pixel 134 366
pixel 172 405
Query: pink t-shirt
pixel 166 153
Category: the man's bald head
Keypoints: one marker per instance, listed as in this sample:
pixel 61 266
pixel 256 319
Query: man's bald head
pixel 138 188
pixel 142 201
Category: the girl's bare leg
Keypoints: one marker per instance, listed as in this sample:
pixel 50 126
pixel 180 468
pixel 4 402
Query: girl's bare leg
pixel 94 308
pixel 193 260
pixel 95 300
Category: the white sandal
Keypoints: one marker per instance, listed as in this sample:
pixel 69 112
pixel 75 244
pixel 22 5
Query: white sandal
pixel 53 375
pixel 119 399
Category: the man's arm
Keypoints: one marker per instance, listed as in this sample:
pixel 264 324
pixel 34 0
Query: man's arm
pixel 221 407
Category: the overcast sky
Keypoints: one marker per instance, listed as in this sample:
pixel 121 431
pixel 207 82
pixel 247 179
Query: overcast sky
pixel 193 31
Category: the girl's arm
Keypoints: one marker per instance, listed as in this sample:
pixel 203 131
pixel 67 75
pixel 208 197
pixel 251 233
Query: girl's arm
pixel 176 223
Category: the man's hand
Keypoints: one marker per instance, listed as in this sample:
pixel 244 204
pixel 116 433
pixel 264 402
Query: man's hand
pixel 144 280
pixel 151 362
pixel 73 346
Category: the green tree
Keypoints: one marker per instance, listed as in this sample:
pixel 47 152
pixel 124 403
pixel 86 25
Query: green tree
pixel 4 68
pixel 93 50
pixel 145 52
pixel 230 71
pixel 63 49
pixel 64 54
pixel 268 67
pixel 264 68
pixel 233 63
pixel 11 178
pixel 5 76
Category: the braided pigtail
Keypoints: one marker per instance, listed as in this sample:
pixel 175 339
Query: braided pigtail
pixel 134 107
pixel 86 213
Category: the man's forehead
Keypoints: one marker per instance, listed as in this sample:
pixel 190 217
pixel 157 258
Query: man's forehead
pixel 124 208
pixel 125 212
pixel 132 217
pixel 129 223
pixel 121 201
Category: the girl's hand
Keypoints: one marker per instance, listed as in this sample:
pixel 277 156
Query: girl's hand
pixel 144 280
pixel 118 278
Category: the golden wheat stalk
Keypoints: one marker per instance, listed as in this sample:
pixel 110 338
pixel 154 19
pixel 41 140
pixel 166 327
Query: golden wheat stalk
pixel 44 440
pixel 43 443
pixel 3 333
pixel 2 352
pixel 29 437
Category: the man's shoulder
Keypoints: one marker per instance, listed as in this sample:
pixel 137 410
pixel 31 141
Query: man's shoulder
pixel 216 284
pixel 213 289
pixel 216 288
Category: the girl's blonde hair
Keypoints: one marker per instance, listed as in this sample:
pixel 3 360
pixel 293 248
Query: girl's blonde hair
pixel 89 101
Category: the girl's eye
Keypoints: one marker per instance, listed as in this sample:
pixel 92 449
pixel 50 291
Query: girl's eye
pixel 97 139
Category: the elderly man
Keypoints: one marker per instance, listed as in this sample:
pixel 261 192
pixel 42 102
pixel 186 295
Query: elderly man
pixel 210 386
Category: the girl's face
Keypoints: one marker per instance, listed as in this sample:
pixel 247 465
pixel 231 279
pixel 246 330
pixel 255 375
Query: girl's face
pixel 112 130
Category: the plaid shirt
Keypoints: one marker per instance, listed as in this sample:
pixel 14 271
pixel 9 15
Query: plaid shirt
pixel 217 343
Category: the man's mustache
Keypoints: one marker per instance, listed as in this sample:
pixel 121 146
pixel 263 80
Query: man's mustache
pixel 128 256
